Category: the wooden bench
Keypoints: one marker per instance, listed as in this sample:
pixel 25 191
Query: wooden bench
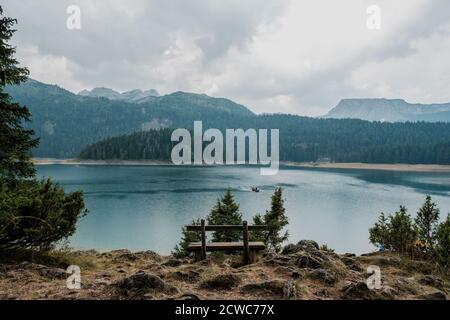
pixel 249 248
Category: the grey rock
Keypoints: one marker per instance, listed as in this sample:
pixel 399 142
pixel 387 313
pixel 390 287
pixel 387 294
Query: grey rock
pixel 45 271
pixel 352 264
pixel 389 292
pixel 53 273
pixel 323 275
pixel 308 245
pixel 437 295
pixel 290 248
pixel 433 281
pixel 356 291
pixel 306 260
pixel 272 287
pixel 305 245
pixel 149 254
pixel 142 282
pixel 188 296
pixel 187 276
pixel 279 261
pixel 289 290
pixel 222 281
pixel 172 263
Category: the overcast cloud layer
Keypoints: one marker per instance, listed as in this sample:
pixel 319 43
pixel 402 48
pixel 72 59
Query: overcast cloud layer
pixel 273 56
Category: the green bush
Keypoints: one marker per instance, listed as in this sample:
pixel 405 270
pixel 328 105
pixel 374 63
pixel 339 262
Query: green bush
pixel 275 219
pixel 424 237
pixel 35 214
pixel 396 232
pixel 180 250
pixel 379 233
pixel 442 249
pixel 426 222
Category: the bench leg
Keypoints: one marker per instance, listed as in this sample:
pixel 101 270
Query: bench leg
pixel 198 255
pixel 252 256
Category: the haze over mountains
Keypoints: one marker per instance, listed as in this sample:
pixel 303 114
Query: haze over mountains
pixel 384 110
pixel 390 110
pixel 136 95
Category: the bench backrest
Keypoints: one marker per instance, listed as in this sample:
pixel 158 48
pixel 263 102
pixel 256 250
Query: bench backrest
pixel 244 227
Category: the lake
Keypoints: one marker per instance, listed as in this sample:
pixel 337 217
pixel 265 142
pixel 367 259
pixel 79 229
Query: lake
pixel 145 207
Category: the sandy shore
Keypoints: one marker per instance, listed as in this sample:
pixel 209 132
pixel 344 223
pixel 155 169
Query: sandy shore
pixel 355 165
pixel 48 161
pixel 374 166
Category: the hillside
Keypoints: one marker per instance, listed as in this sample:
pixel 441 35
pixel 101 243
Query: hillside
pixel 301 271
pixel 66 122
pixel 305 140
pixel 391 110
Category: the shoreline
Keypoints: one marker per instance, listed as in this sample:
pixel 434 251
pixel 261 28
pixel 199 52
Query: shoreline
pixel 74 161
pixel 373 166
pixel 321 165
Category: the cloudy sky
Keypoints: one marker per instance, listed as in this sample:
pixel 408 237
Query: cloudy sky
pixel 294 56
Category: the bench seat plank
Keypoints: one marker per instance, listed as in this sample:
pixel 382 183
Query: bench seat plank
pixel 225 227
pixel 220 246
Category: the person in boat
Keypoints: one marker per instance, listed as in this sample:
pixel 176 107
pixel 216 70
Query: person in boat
pixel 255 189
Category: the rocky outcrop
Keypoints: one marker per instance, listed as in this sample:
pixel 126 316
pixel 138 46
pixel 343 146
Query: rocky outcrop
pixel 305 245
pixel 356 291
pixel 303 272
pixel 222 281
pixel 324 275
pixel 173 262
pixel 352 263
pixel 309 261
pixel 142 282
pixel 45 271
pixel 432 281
pixel 264 287
pixel 435 295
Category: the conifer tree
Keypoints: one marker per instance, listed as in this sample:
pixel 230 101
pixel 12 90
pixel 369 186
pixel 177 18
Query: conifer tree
pixel 180 250
pixel 442 249
pixel 15 141
pixel 33 214
pixel 276 220
pixel 426 222
pixel 226 211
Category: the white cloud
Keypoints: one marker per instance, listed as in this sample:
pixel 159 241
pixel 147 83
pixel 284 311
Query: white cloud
pixel 274 56
pixel 50 69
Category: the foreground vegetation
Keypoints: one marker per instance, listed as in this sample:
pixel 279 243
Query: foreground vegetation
pixel 422 238
pixel 33 214
pixel 301 271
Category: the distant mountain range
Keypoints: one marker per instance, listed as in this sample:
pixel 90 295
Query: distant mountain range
pixel 136 96
pixel 67 123
pixel 390 110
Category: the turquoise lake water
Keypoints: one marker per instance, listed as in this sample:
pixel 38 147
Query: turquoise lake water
pixel 144 207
